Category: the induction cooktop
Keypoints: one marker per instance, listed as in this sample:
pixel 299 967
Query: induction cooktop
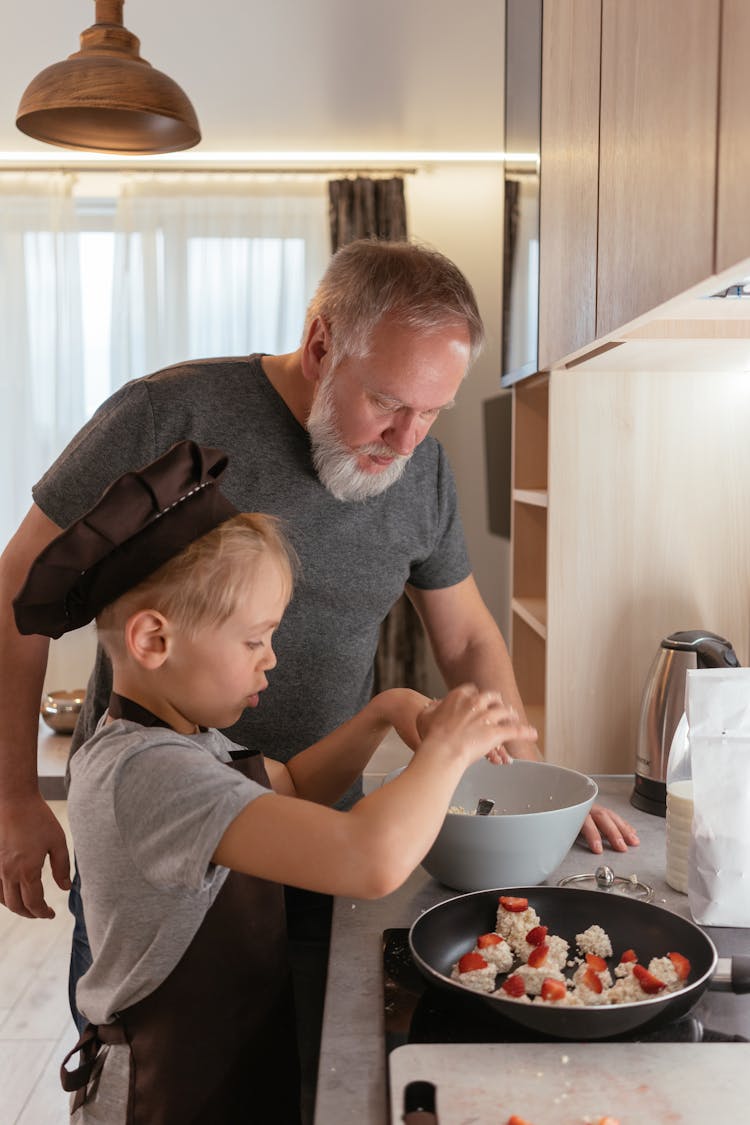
pixel 415 1012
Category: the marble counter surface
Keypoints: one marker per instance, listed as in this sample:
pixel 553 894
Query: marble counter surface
pixel 352 1075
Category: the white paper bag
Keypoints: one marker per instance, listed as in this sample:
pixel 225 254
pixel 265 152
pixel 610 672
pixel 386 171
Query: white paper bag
pixel 718 712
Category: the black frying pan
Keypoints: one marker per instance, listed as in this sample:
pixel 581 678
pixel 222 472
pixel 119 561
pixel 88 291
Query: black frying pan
pixel 441 935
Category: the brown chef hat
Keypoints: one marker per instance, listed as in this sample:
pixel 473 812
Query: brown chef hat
pixel 142 520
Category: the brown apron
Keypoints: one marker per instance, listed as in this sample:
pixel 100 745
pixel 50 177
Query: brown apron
pixel 225 1013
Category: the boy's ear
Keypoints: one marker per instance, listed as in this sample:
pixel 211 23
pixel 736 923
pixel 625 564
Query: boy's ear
pixel 315 348
pixel 146 638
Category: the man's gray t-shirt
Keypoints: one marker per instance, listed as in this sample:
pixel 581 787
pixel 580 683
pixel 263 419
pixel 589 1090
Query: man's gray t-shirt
pixel 356 556
pixel 147 809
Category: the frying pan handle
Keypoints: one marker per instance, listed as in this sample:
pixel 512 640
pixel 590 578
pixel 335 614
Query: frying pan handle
pixel 732 974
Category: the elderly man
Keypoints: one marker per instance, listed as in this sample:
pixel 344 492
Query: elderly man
pixel 332 438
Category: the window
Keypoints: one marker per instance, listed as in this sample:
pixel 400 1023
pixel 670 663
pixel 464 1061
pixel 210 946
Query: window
pixel 104 288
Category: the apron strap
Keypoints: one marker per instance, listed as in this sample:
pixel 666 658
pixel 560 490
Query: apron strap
pixel 89 1044
pixel 120 707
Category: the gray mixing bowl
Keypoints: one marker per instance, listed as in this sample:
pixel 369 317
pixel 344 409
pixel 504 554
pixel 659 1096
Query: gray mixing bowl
pixel 539 811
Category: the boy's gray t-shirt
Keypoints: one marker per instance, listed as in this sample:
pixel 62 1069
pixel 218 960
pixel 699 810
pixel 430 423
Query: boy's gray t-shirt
pixel 356 556
pixel 147 808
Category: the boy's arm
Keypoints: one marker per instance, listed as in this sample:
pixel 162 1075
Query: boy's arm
pixel 325 771
pixel 369 851
pixel 469 646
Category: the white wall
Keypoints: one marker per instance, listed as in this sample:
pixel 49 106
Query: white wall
pixel 71 659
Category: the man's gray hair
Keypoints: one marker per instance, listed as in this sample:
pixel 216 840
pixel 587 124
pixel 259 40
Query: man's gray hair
pixel 371 278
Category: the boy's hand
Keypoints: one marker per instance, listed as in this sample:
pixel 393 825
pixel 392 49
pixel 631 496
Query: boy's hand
pixel 402 707
pixel 425 717
pixel 477 722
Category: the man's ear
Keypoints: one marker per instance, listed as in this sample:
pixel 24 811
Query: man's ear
pixel 315 349
pixel 147 638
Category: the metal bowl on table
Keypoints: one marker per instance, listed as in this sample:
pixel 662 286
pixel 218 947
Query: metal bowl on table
pixel 60 709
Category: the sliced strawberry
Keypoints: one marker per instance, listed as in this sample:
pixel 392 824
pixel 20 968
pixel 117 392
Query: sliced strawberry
pixel 514 1119
pixel 471 961
pixel 598 964
pixel 648 982
pixel 538 956
pixel 488 939
pixel 592 980
pixel 553 989
pixel 681 964
pixel 537 935
pixel 628 955
pixel 515 905
pixel 514 985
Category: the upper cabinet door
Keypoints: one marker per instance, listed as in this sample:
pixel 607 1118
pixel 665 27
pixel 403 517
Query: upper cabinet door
pixel 569 181
pixel 733 181
pixel 645 165
pixel 657 174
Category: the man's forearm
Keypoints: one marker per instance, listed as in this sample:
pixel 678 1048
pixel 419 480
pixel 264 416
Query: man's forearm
pixel 23 661
pixel 487 664
pixel 23 665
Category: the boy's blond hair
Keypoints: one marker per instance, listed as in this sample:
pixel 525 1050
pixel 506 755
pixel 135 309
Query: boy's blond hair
pixel 204 583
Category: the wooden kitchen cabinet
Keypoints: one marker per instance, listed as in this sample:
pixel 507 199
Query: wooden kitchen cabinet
pixel 631 468
pixel 569 188
pixel 529 539
pixel 630 213
pixel 657 155
pixel 629 527
pixel 733 174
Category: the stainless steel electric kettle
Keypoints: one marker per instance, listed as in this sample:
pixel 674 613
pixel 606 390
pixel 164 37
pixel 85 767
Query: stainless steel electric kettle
pixel 663 706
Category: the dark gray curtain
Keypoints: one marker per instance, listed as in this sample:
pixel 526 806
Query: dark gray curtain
pixel 510 238
pixel 366 208
pixel 376 208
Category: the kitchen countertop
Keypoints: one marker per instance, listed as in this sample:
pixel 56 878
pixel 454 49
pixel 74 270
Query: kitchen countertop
pixel 352 1076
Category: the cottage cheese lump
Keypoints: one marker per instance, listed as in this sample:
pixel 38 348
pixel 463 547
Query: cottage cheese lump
pixel 522 961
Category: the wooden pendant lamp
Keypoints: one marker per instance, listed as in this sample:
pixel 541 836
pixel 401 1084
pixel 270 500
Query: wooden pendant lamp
pixel 106 98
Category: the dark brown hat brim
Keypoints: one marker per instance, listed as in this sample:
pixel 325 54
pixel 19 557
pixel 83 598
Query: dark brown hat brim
pixel 143 519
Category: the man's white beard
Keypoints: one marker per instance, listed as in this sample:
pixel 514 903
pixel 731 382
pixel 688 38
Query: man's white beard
pixel 335 464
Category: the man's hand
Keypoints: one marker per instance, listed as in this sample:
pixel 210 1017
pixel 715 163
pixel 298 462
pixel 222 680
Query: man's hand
pixel 602 823
pixel 498 721
pixel 499 756
pixel 29 832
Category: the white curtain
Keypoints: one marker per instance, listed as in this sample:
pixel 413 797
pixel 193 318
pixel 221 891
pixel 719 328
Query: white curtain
pixel 204 265
pixel 213 265
pixel 41 374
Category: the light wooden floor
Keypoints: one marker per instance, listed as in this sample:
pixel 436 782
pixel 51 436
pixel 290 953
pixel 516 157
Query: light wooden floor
pixel 36 1029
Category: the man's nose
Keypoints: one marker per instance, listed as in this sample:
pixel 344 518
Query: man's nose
pixel 405 433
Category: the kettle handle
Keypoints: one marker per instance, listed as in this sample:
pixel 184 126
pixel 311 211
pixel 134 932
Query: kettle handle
pixel 713 653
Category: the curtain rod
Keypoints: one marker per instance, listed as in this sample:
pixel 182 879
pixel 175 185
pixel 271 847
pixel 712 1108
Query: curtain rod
pixel 224 170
